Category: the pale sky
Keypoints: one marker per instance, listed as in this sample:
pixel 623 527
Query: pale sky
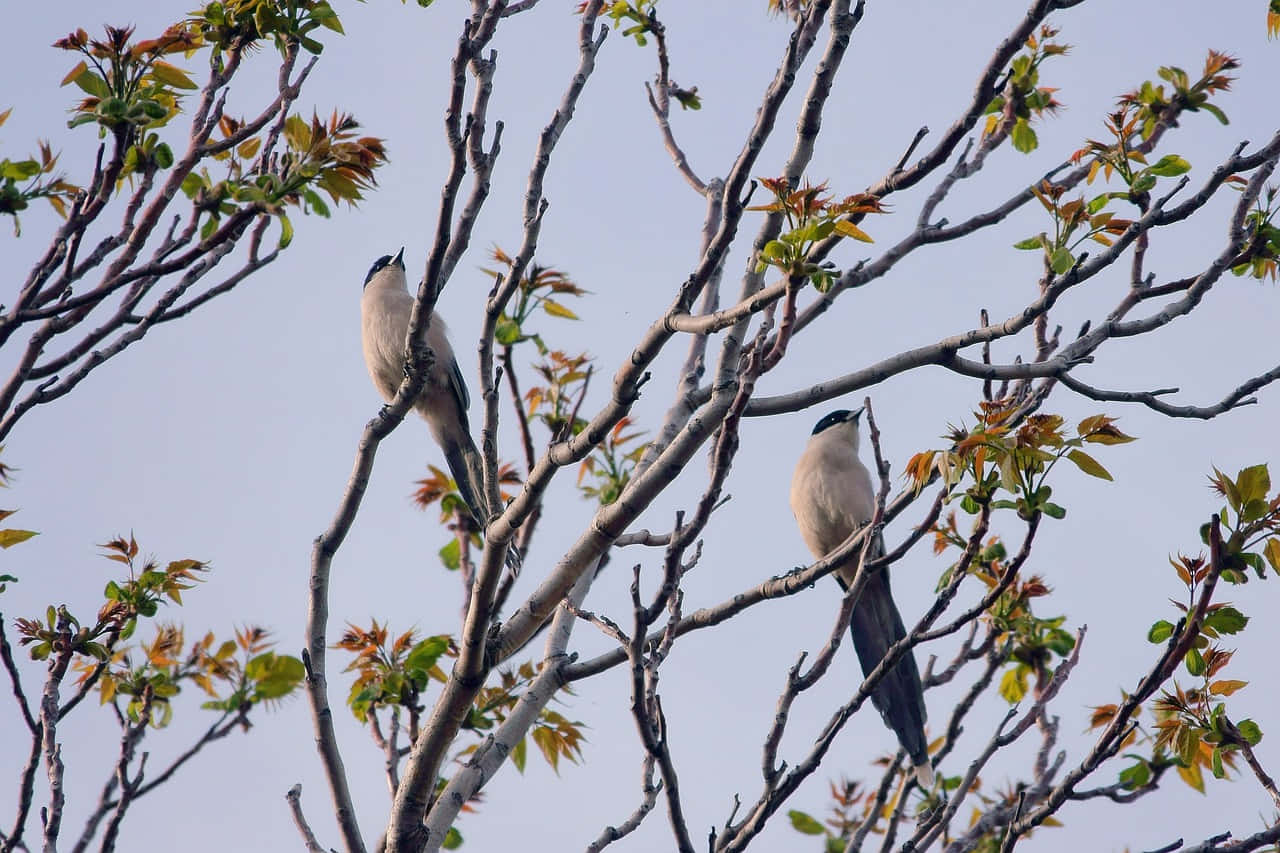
pixel 229 436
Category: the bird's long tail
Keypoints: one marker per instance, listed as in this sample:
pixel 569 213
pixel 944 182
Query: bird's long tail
pixel 876 625
pixel 467 469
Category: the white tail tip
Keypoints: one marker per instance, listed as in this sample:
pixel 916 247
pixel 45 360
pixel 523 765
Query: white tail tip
pixel 924 775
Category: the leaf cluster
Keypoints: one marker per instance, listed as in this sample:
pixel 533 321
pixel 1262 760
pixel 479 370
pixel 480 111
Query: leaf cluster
pixel 395 672
pixel 995 456
pixel 128 87
pixel 609 468
pixel 1118 157
pixel 534 293
pixel 1150 104
pixel 151 673
pixel 811 217
pixel 1074 221
pixel 635 19
pixel 1192 730
pixel 236 674
pixel 320 154
pixel 1262 248
pixel 391 671
pixel 553 403
pixel 23 181
pixel 1023 99
pixel 235 24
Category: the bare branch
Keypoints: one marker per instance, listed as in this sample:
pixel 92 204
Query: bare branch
pixel 649 790
pixel 294 798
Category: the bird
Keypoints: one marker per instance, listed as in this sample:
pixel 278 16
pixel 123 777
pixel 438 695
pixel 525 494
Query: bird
pixel 385 307
pixel 832 497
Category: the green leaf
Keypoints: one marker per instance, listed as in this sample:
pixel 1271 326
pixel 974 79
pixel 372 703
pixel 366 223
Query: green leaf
pixel 1061 260
pixel 1053 510
pixel 1060 642
pixel 163 155
pixel 324 13
pixel 91 83
pixel 1254 510
pixel 1195 662
pixel 1013 685
pixel 172 75
pixel 1218 771
pixel 1088 464
pixel 507 332
pixel 1029 243
pixel 1170 165
pixel 688 99
pixel 1023 137
pixel 520 754
pixel 192 184
pixel 1136 776
pixel 774 250
pixel 315 202
pixel 804 823
pixel 452 839
pixel 1226 620
pixel 12 537
pixel 1253 482
pixel 451 555
pixel 1215 112
pixel 286 231
pixel 1160 631
pixel 426 653
pixel 1249 731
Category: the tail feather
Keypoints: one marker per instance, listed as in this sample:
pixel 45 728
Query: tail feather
pixel 876 625
pixel 467 470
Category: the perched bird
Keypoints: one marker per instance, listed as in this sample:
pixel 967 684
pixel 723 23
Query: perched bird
pixel 385 307
pixel 832 496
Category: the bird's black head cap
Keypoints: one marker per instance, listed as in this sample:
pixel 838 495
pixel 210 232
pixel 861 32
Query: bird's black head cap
pixel 839 416
pixel 383 261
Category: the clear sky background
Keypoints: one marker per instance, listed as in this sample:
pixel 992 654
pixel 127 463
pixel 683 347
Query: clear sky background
pixel 229 436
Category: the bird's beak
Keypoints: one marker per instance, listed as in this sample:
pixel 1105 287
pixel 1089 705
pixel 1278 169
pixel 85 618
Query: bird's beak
pixel 398 260
pixel 854 416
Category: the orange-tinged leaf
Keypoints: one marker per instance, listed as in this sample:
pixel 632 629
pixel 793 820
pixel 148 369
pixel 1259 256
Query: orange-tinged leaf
pixel 1272 552
pixel 848 229
pixel 12 537
pixel 249 148
pixel 80 68
pixel 1226 687
pixel 171 75
pixel 1192 776
pixel 555 309
pixel 1102 714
